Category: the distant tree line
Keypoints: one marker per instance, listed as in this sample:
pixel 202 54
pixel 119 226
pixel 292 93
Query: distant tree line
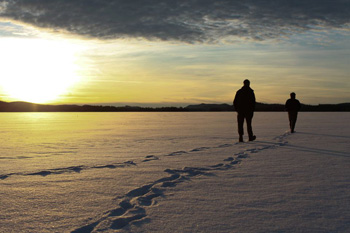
pixel 260 107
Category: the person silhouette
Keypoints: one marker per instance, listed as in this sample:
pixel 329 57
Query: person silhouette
pixel 244 104
pixel 292 107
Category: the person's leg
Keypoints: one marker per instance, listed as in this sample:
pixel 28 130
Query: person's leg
pixel 293 120
pixel 249 118
pixel 290 118
pixel 240 121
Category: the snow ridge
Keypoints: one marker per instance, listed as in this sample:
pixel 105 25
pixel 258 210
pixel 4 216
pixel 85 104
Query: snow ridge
pixel 76 169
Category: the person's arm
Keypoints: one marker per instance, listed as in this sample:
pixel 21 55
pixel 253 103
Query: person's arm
pixel 235 101
pixel 254 101
pixel 286 106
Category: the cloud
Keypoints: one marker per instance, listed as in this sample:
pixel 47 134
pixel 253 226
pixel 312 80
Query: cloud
pixel 188 21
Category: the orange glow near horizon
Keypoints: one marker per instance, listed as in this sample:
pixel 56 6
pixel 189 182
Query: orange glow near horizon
pixel 37 70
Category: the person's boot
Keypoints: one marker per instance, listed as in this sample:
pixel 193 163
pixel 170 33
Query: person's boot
pixel 252 138
pixel 240 138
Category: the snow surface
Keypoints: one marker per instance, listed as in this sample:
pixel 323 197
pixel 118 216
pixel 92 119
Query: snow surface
pixel 173 172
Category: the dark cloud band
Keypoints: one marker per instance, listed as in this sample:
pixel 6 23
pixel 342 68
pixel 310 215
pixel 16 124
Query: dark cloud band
pixel 183 20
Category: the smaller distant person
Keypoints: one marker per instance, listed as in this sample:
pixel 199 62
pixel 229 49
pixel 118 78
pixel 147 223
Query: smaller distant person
pixel 292 107
pixel 244 104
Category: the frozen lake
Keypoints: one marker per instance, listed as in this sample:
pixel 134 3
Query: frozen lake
pixel 61 172
pixel 35 141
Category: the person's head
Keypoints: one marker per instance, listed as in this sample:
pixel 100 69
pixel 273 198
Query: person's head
pixel 246 83
pixel 292 95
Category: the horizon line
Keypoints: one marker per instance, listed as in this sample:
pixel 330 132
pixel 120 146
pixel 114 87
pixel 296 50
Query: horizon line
pixel 155 105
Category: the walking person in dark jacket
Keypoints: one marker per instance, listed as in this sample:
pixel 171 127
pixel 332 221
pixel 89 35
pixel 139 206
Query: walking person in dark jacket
pixel 244 104
pixel 292 106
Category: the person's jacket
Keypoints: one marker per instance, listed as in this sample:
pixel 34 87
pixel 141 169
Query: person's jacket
pixel 244 101
pixel 292 105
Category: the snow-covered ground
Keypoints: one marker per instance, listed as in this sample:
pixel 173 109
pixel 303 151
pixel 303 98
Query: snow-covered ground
pixel 173 172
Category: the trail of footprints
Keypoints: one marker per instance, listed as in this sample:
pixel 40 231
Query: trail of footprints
pixel 78 169
pixel 131 208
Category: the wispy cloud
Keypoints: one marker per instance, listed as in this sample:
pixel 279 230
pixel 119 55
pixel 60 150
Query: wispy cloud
pixel 188 21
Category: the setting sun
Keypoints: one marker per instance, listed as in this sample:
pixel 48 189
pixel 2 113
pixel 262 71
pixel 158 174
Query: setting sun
pixel 36 70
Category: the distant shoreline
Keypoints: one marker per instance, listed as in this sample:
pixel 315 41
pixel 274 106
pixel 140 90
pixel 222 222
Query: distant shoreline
pixel 260 107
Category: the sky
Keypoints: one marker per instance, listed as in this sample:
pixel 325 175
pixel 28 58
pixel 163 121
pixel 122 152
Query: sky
pixel 173 53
